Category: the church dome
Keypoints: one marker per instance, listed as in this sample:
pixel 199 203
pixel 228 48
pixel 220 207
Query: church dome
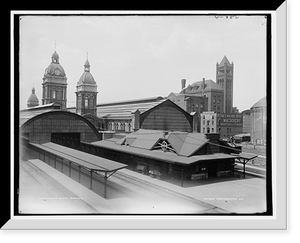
pixel 32 100
pixel 55 69
pixel 86 78
pixel 55 56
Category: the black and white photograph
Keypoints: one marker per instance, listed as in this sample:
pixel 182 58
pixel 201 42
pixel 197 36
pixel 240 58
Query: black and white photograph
pixel 144 114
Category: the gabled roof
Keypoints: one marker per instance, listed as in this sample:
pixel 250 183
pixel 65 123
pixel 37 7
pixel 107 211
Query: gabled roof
pixel 145 140
pixel 192 143
pixel 163 156
pixel 184 143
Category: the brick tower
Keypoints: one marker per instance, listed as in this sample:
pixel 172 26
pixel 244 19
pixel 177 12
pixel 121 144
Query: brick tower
pixel 224 78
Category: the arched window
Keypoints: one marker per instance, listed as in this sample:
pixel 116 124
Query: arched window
pixel 53 94
pixel 91 101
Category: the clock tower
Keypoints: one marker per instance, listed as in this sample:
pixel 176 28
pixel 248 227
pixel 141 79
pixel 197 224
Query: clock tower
pixel 55 83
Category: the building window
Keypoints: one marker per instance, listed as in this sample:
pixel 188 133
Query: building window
pixel 212 122
pixel 86 104
pixel 212 130
pixel 203 129
pixel 91 101
pixel 53 94
pixel 207 123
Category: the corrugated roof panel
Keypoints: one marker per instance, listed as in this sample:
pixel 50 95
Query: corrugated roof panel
pixel 125 110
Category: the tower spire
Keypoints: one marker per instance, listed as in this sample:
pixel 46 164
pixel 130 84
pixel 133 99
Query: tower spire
pixel 87 63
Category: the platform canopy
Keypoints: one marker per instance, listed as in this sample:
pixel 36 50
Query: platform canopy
pixel 244 158
pixel 89 161
pixel 103 167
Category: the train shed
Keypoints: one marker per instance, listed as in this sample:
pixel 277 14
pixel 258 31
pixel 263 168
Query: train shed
pixel 54 136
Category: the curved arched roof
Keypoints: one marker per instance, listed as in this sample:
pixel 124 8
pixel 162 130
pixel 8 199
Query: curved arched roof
pixel 261 103
pixel 53 114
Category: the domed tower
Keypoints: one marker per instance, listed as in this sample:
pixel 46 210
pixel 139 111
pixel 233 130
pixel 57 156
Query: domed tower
pixel 32 100
pixel 86 94
pixel 55 83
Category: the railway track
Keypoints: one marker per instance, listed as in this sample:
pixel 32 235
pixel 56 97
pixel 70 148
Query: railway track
pixel 251 170
pixel 144 191
pixel 158 199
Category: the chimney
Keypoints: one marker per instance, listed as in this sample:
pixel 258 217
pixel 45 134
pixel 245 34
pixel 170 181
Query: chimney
pixel 203 86
pixel 183 82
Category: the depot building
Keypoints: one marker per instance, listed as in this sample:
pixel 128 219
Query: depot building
pixel 169 154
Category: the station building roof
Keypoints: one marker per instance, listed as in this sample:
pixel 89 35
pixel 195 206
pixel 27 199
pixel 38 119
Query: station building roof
pixel 182 143
pixel 181 146
pixel 163 156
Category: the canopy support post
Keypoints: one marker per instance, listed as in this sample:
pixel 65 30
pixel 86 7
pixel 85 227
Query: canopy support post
pixel 105 184
pixel 91 180
pixel 244 168
pixel 79 168
pixel 70 168
pixel 181 176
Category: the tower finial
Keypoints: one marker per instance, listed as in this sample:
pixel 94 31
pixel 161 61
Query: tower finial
pixel 55 45
pixel 87 55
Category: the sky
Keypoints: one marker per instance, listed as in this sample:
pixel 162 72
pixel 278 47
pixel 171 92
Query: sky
pixel 141 56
